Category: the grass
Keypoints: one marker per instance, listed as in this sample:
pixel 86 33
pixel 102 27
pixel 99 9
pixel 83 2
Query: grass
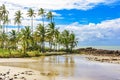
pixel 4 53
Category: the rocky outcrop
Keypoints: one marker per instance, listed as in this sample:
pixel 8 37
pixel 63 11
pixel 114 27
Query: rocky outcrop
pixel 94 51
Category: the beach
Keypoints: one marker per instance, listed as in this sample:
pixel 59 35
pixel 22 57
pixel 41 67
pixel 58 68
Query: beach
pixel 62 67
pixel 15 73
pixel 100 58
pixel 18 73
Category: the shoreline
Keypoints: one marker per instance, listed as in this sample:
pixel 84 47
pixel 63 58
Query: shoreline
pixel 17 73
pixel 22 73
pixel 106 59
pixel 101 55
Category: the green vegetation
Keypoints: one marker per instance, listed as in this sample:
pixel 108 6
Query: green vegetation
pixel 32 40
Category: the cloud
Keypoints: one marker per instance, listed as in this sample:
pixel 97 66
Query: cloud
pixel 15 5
pixel 53 5
pixel 24 5
pixel 104 33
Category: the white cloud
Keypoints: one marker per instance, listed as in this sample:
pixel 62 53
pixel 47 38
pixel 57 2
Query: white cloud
pixel 56 5
pixel 24 5
pixel 106 30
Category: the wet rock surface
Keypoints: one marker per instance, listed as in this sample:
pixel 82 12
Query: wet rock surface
pixel 98 52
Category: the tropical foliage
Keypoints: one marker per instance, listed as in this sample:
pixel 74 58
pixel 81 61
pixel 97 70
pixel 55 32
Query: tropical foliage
pixel 39 38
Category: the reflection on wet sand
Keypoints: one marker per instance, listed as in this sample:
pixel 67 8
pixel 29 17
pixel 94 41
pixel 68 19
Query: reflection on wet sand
pixel 51 66
pixel 69 67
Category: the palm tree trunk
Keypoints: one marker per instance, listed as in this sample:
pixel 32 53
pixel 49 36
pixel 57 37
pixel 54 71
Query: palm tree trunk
pixel 18 28
pixel 50 45
pixel 3 28
pixel 71 49
pixel 43 45
pixel 67 49
pixel 32 24
pixel 6 29
pixel 24 51
pixel 0 25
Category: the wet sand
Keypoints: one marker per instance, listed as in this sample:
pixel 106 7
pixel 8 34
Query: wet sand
pixel 15 73
pixel 100 58
pixel 64 67
pixel 17 60
pixel 18 73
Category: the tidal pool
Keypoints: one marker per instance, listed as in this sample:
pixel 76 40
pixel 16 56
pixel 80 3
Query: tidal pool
pixel 70 67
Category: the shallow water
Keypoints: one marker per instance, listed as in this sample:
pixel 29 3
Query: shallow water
pixel 71 67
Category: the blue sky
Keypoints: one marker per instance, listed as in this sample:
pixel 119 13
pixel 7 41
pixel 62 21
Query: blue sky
pixel 95 22
pixel 95 15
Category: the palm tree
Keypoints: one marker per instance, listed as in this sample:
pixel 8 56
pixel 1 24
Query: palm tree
pixel 51 34
pixel 73 41
pixel 41 28
pixel 4 12
pixel 6 21
pixel 0 22
pixel 65 39
pixel 13 39
pixel 26 38
pixel 41 12
pixel 17 19
pixel 56 41
pixel 41 33
pixel 1 17
pixel 50 16
pixel 31 14
pixel 3 39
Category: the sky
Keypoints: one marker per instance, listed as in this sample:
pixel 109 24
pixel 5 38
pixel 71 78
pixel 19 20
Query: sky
pixel 94 22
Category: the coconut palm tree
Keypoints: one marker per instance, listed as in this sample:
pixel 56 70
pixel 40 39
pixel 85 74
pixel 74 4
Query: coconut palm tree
pixel 3 39
pixel 41 27
pixel 41 33
pixel 56 40
pixel 17 19
pixel 1 17
pixel 0 12
pixel 65 39
pixel 13 39
pixel 26 38
pixel 50 16
pixel 41 13
pixel 4 12
pixel 51 34
pixel 31 14
pixel 6 21
pixel 73 41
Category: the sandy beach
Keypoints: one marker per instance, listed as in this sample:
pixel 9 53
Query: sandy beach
pixel 59 68
pixel 17 73
pixel 100 58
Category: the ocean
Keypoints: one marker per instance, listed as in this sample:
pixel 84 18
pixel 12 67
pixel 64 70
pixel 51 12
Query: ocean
pixel 103 47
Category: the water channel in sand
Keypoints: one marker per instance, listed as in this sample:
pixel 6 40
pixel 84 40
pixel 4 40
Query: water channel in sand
pixel 69 67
